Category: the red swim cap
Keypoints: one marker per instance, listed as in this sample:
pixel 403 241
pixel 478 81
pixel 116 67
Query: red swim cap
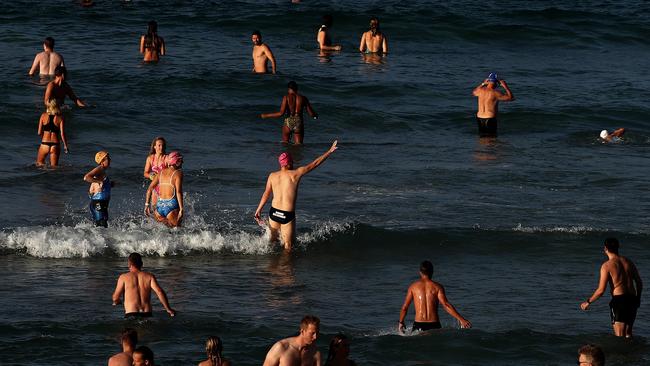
pixel 285 159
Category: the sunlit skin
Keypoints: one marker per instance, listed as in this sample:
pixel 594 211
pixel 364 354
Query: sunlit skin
pixel 59 89
pixel 261 56
pixel 296 351
pixel 136 286
pixel 489 98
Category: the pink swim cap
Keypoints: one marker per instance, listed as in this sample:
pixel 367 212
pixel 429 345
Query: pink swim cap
pixel 285 159
pixel 173 158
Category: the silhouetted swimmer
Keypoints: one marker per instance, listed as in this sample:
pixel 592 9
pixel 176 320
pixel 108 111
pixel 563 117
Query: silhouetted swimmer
pixel 128 341
pixel 152 46
pixel 615 136
pixel 426 295
pixel 261 55
pixel 59 89
pixel 300 350
pixel 48 60
pixel 292 108
pixel 100 189
pixel 324 38
pixel 214 348
pixel 488 104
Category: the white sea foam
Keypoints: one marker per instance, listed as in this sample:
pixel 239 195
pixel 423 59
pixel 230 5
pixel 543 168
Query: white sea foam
pixel 556 229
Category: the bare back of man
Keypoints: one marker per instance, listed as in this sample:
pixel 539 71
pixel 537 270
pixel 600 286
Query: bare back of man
pixel 621 275
pixel 425 300
pixel 46 62
pixel 137 291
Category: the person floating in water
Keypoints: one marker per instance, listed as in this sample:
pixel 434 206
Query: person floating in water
pixel 59 88
pixel 625 287
pixel 324 38
pixel 427 295
pixel 612 137
pixel 47 61
pixel 52 132
pixel 488 104
pixel 300 350
pixel 152 46
pixel 169 207
pixel 292 108
pixel 374 41
pixel 283 184
pixel 261 55
pixel 136 286
pixel 100 189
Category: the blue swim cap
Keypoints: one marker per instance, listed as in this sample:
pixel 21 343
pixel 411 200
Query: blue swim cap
pixel 493 77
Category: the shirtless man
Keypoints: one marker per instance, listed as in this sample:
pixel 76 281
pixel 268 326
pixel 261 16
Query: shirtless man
pixel 488 104
pixel 292 107
pixel 136 285
pixel 300 350
pixel 323 37
pixel 283 184
pixel 129 341
pixel 261 55
pixel 47 60
pixel 427 294
pixel 59 88
pixel 622 276
pixel 374 41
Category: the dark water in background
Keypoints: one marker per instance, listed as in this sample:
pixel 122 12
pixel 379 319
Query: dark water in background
pixel 514 226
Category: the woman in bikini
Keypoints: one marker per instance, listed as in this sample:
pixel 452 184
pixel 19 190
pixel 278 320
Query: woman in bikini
pixel 152 46
pixel 50 125
pixel 292 108
pixel 169 207
pixel 155 162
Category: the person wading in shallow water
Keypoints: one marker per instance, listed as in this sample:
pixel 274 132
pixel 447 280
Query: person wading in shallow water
pixel 292 108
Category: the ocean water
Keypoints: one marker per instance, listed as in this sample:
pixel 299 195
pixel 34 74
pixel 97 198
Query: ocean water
pixel 513 225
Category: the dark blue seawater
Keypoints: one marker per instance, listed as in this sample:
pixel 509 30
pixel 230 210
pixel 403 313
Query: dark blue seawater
pixel 513 225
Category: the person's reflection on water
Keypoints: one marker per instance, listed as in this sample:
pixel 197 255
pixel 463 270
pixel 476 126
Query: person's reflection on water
pixel 487 149
pixel 282 291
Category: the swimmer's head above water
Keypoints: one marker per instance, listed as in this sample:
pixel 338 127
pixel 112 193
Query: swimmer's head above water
pixel 426 268
pixel 174 159
pixel 101 156
pixel 256 37
pixel 374 26
pixel 328 20
pixel 603 134
pixel 293 86
pixel 285 159
pixel 493 78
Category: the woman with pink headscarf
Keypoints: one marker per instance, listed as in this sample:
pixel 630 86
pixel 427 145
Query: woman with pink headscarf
pixel 169 207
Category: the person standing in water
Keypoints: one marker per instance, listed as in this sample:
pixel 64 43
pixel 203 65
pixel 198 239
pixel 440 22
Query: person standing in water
pixel 214 348
pixel 59 88
pixel 261 55
pixel 625 287
pixel 47 61
pixel 324 38
pixel 488 104
pixel 50 126
pixel 100 189
pixel 129 340
pixel 374 41
pixel 339 352
pixel 292 108
pixel 155 163
pixel 300 350
pixel 427 295
pixel 169 207
pixel 283 185
pixel 152 46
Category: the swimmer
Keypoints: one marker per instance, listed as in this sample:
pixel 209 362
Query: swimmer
pixel 152 46
pixel 591 355
pixel 143 356
pixel 283 184
pixel 136 286
pixel 47 61
pixel 300 350
pixel 427 295
pixel 50 126
pixel 625 287
pixel 100 189
pixel 323 37
pixel 59 88
pixel 214 347
pixel 169 207
pixel 292 108
pixel 339 352
pixel 488 104
pixel 261 55
pixel 155 163
pixel 612 137
pixel 128 340
pixel 374 41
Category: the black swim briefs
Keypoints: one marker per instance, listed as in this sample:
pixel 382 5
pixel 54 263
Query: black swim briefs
pixel 623 308
pixel 282 217
pixel 422 326
pixel 138 314
pixel 487 127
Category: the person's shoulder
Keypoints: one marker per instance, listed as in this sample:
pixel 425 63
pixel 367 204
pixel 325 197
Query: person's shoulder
pixel 205 363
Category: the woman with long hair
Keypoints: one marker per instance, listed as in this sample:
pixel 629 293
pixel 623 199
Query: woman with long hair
pixel 50 126
pixel 214 347
pixel 152 46
pixel 155 162
pixel 339 352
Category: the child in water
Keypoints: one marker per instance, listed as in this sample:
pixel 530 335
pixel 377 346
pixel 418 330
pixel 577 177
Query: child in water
pixel 100 189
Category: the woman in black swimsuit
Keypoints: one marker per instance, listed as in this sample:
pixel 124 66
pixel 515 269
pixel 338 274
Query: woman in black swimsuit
pixel 50 125
pixel 152 46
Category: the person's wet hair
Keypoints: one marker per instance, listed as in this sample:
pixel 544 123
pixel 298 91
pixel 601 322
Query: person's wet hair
pixel 309 319
pixel 152 27
pixel 594 354
pixel 152 150
pixel 214 347
pixel 612 245
pixel 49 42
pixel 146 352
pixel 335 345
pixel 374 26
pixel 327 20
pixel 256 33
pixel 136 260
pixel 61 70
pixel 130 336
pixel 426 268
pixel 293 86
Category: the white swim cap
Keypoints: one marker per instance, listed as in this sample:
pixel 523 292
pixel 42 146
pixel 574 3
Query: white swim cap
pixel 603 134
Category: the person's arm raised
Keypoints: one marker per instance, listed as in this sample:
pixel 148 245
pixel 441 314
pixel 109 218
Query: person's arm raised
pixel 318 161
pixel 508 96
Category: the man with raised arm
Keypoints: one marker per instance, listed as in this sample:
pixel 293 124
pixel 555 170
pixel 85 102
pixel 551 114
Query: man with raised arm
pixel 427 295
pixel 48 60
pixel 136 285
pixel 261 54
pixel 283 184
pixel 625 285
pixel 300 350
pixel 488 104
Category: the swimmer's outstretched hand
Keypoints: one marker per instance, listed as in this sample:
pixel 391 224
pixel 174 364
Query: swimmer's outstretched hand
pixel 465 324
pixel 334 147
